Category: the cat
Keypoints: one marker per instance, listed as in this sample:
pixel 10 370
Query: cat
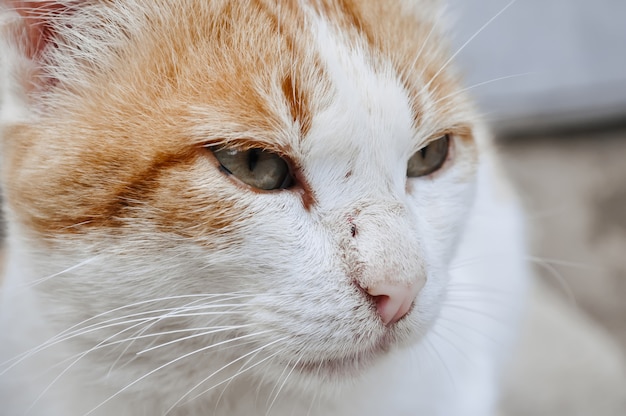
pixel 254 207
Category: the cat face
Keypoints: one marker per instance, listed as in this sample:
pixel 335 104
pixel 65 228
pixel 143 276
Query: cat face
pixel 131 181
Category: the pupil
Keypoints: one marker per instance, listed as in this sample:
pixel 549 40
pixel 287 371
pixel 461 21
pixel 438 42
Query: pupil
pixel 253 158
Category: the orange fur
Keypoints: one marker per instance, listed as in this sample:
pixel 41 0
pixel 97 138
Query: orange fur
pixel 136 129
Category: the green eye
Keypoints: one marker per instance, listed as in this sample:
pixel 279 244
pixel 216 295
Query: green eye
pixel 429 158
pixel 255 167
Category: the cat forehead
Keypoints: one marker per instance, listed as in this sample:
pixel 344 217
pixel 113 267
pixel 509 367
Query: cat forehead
pixel 339 58
pixel 258 70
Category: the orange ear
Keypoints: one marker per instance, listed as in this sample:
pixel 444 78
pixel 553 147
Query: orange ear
pixel 36 22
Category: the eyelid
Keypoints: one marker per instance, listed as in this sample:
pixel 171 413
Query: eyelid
pixel 434 137
pixel 243 145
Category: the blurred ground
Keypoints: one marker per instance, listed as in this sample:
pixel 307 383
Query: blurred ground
pixel 572 357
pixel 574 189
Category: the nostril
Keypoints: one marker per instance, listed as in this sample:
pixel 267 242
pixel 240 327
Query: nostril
pixel 381 301
pixel 389 313
pixel 393 301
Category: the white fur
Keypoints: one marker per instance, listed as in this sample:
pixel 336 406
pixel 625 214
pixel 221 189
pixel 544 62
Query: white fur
pixel 283 281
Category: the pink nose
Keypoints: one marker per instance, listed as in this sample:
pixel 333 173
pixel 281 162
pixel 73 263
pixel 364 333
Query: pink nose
pixel 393 301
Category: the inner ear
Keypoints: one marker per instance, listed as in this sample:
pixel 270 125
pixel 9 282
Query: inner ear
pixel 37 19
pixel 34 30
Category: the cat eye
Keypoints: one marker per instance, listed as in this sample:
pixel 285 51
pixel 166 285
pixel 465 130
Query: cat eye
pixel 255 167
pixel 429 158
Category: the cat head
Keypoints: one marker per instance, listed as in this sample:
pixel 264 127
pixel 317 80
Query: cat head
pixel 289 178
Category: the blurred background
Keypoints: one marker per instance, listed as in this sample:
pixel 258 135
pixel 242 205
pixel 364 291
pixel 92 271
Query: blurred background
pixel 550 77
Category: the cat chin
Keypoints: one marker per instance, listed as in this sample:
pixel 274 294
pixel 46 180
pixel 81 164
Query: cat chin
pixel 356 360
pixel 349 366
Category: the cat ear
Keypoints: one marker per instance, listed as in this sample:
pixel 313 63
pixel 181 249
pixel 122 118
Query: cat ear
pixel 29 31
pixel 34 29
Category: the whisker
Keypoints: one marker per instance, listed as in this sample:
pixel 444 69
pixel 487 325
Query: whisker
pixel 182 357
pixel 62 373
pixel 211 330
pixel 24 356
pixel 424 44
pixel 460 263
pixel 260 384
pixel 454 55
pixel 310 409
pixel 104 344
pixel 255 351
pixel 77 330
pixel 158 334
pixel 565 263
pixel 562 282
pixel 453 345
pixel 546 264
pixel 428 343
pixel 533 259
pixel 476 312
pixel 142 332
pixel 283 384
pixel 480 84
pixel 454 324
pixel 285 368
pixel 477 288
pixel 185 339
pixel 39 281
pixel 469 294
pixel 232 377
pixel 167 298
pixel 237 345
pixel 145 302
pixel 219 398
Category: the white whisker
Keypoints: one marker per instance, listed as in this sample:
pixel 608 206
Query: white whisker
pixel 189 305
pixel 81 355
pixel 77 330
pixel 423 47
pixel 562 282
pixel 453 345
pixel 310 409
pixel 187 338
pixel 240 371
pixel 283 384
pixel 189 354
pixel 158 334
pixel 565 263
pixel 464 45
pixel 280 377
pixel 204 380
pixel 52 276
pixel 428 343
pixel 476 312
pixel 480 84
pixel 455 325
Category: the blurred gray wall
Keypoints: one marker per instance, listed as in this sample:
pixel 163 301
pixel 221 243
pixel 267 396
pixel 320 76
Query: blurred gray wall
pixel 572 54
